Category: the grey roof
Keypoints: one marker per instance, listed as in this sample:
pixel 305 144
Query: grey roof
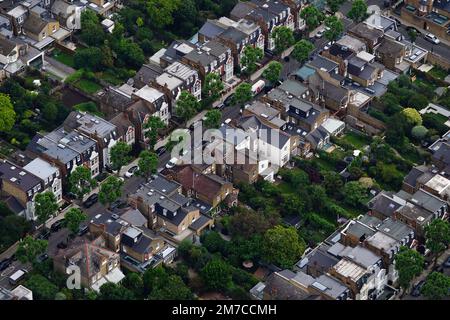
pixel 362 30
pixel 317 258
pixel 293 87
pixel 279 287
pixel 443 153
pixel 134 217
pixel 385 204
pixel 23 179
pixel 390 47
pixel 360 230
pixel 90 124
pixel 382 241
pixel 330 286
pixel 414 174
pixel 181 71
pixel 200 222
pixel 241 9
pixel 323 63
pixel 272 136
pixel 359 255
pixel 13 204
pixel 416 213
pixel 147 73
pixel 112 226
pixel 233 34
pixel 427 201
pixel 210 29
pixel 6 46
pixel 395 229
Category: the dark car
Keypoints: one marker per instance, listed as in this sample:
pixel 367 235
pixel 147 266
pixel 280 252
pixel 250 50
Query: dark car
pixel 160 151
pixel 42 257
pixel 417 288
pixel 229 100
pixel 44 235
pixel 118 204
pixel 286 59
pixel 82 230
pixel 57 225
pixel 91 200
pixel 61 245
pixel 446 264
pixel 410 28
pixel 5 263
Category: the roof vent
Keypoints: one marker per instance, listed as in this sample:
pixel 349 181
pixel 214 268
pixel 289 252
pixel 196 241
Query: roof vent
pixel 13 168
pixel 22 173
pixel 162 197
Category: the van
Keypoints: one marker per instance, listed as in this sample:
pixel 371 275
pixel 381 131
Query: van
pixel 371 91
pixel 17 276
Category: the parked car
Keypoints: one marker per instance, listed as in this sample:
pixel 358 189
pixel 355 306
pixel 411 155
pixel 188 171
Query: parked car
pixel 44 235
pixel 447 263
pixel 327 46
pixel 220 106
pixel 61 245
pixel 432 38
pixel 172 163
pixel 286 59
pixel 320 33
pixel 82 230
pixel 160 151
pixel 57 225
pixel 42 257
pixel 417 288
pixel 229 100
pixel 409 28
pixel 131 171
pixel 91 200
pixel 5 263
pixel 118 204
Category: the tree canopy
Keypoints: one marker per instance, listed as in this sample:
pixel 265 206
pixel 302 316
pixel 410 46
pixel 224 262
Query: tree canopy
pixel 187 105
pixel 147 163
pixel 313 17
pixel 45 205
pixel 120 155
pixel 302 50
pixel 151 128
pixel 409 264
pixel 110 190
pixel 282 246
pixel 335 27
pixel 212 119
pixel 283 38
pixel 73 218
pixel 358 11
pixel 243 93
pixel 81 182
pixel 251 55
pixel 273 71
pixel 30 248
pixel 437 286
pixel 7 113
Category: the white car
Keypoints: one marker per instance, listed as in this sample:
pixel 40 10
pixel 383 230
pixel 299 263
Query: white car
pixel 432 38
pixel 328 45
pixel 172 163
pixel 320 33
pixel 131 171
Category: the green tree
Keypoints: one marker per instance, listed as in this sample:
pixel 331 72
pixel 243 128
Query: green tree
pixel 334 5
pixel 134 282
pixel 129 53
pixel 187 106
pixel 112 291
pixel 120 155
pixel 173 289
pixel 302 50
pixel 90 58
pixel 45 206
pixel 217 274
pixel 243 93
pixel 212 119
pixel 282 246
pixel 313 17
pixel 273 71
pixel 110 190
pixel 358 11
pixel 92 32
pixel 409 264
pixel 335 27
pixel 418 101
pixel 42 288
pixel 7 113
pixel 151 128
pixel 160 12
pixel 437 235
pixel 437 286
pixel 355 194
pixel 412 117
pixel 332 183
pixel 81 182
pixel 30 248
pixel 212 87
pixel 283 38
pixel 412 35
pixel 147 163
pixel 250 56
pixel 73 218
pixel 247 223
pixel 419 132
